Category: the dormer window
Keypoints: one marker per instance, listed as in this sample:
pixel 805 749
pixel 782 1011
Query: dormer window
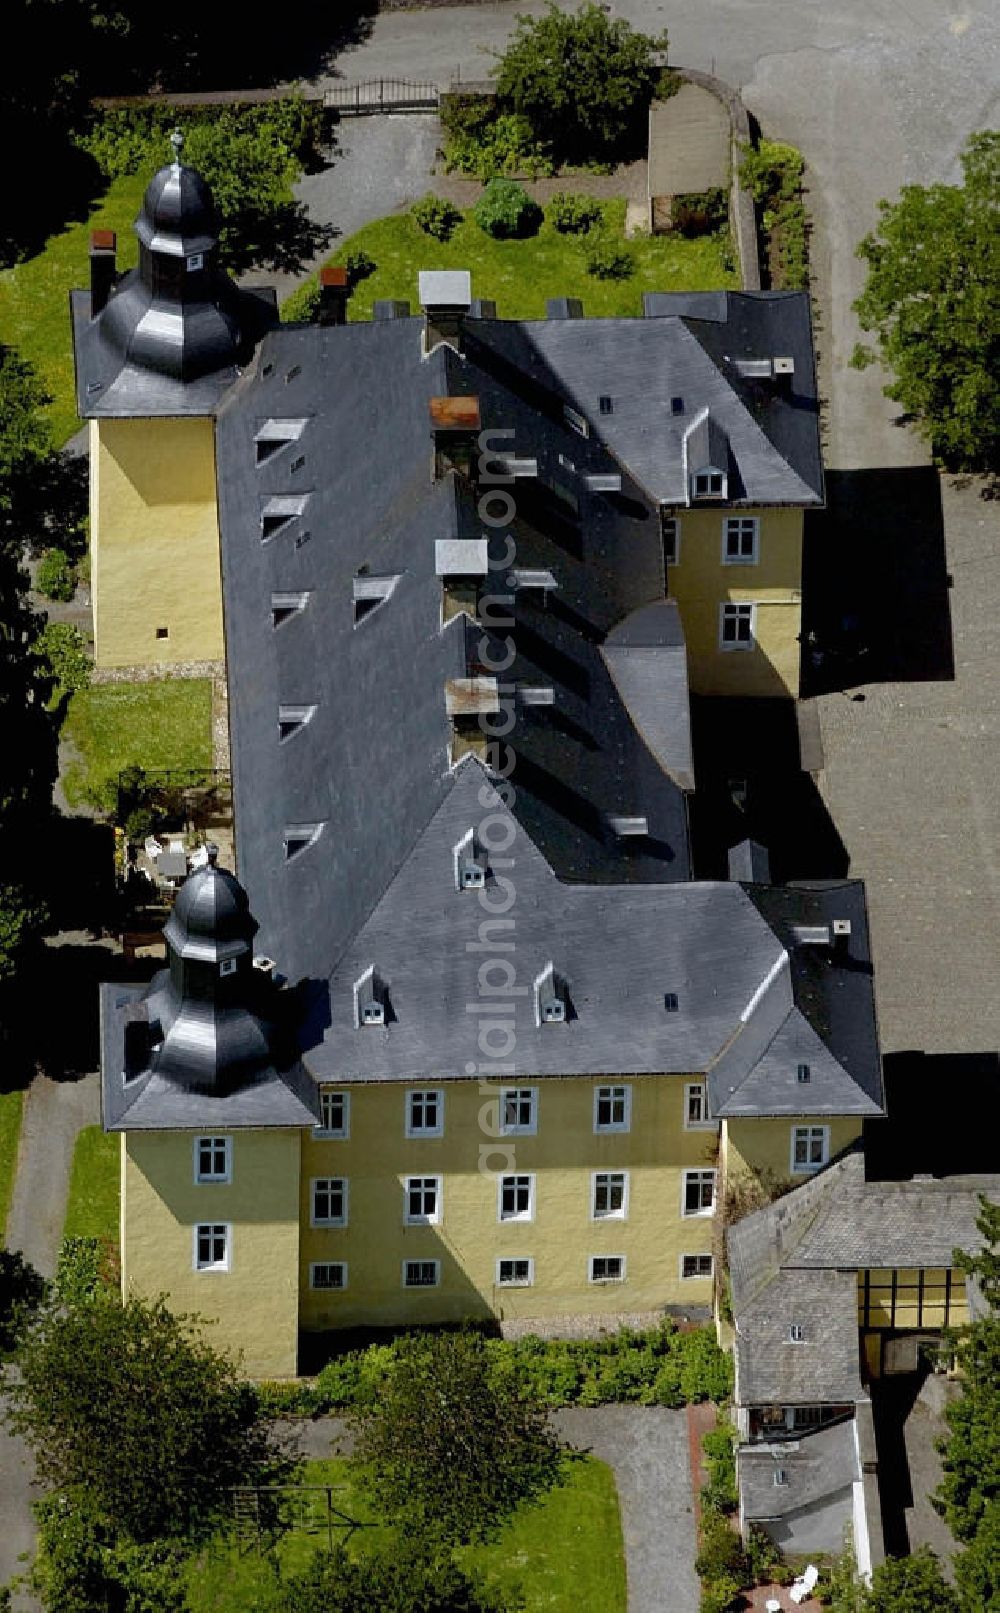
pixel 708 483
pixel 227 967
pixel 274 435
pixel 292 719
pixel 796 1333
pixel 803 1074
pixel 470 862
pixel 285 606
pixel 370 1000
pixel 550 998
pixel 298 837
pixel 278 513
pixel 369 593
pixel 780 1477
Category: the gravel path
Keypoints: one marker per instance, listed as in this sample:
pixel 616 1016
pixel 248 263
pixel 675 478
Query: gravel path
pixel 54 1112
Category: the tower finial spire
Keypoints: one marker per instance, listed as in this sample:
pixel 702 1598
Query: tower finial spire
pixel 177 141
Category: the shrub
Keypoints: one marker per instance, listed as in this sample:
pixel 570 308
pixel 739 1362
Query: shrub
pixel 773 175
pixel 506 210
pixel 63 651
pixel 302 307
pixel 765 1558
pixel 720 1552
pixel 608 259
pixel 719 1595
pixel 720 1491
pixel 56 577
pixel 502 144
pixel 571 213
pixel 436 217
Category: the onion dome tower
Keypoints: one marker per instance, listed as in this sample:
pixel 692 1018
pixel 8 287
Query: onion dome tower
pixel 209 1025
pixel 176 329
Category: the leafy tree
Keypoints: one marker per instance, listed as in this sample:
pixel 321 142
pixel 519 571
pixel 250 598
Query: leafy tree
pixel 453 1446
pixel 977 1568
pixel 932 300
pixel 56 576
pixel 22 1290
pixel 582 81
pixel 83 1566
pixel 128 1404
pixel 971 1454
pixel 910 1585
pixel 410 1581
pixel 43 495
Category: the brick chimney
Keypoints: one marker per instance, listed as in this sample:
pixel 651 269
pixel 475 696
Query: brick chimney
pixel 334 291
pixel 103 268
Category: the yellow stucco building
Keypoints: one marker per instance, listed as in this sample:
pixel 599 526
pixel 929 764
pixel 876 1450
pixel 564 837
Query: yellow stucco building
pixel 495 1047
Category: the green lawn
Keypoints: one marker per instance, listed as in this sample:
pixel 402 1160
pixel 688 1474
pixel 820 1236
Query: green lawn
pixel 116 725
pixel 566 1552
pixel 521 275
pixel 92 1210
pixel 11 1107
pixel 34 295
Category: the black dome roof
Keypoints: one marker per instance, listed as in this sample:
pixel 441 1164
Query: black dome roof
pixel 178 213
pixel 212 910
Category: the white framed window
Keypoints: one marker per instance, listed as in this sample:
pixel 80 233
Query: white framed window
pixel 519 1111
pixel 421 1273
pixel 737 627
pixel 740 540
pixel 612 1108
pixel 708 483
pixel 516 1198
pixel 423 1201
pixel 328 1274
pixel 696 1107
pixel 670 532
pixel 696 1266
pixel 609 1195
pixel 425 1112
pixel 698 1193
pixel 213 1159
pixel 329 1201
pixel 335 1111
pixel 810 1148
pixel 227 966
pixel 606 1269
pixel 213 1246
pixel 517 1271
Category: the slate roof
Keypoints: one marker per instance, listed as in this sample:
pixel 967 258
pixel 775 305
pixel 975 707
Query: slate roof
pixel 369 776
pixel 818 1468
pixel 771 1369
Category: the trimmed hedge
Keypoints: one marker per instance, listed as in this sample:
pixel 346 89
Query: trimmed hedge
pixel 661 1367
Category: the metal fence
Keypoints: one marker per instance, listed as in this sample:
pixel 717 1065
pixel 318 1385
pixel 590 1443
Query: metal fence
pixel 381 95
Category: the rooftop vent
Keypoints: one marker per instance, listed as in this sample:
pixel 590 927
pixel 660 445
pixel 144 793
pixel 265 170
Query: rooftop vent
pixel 676 405
pixel 604 482
pixel 626 828
pixel 535 694
pixel 461 557
pixel 811 935
pixel 564 308
pixel 285 606
pixel 841 933
pixel 369 593
pixel 277 513
pixel 521 580
pixel 273 435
